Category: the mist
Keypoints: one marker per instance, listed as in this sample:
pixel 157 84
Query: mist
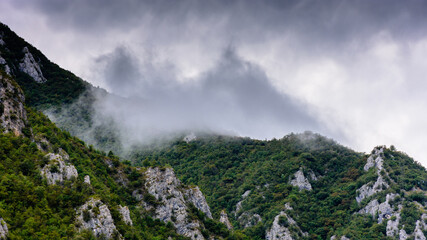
pixel 351 70
pixel 234 97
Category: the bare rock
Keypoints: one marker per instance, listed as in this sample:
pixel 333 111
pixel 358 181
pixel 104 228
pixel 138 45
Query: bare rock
pixel 280 231
pixel 195 196
pixel 420 227
pixel 393 225
pixel 246 194
pixel 13 115
pixel 124 211
pixel 375 160
pixel 57 170
pixel 224 219
pixel 402 234
pixel 3 229
pixel 300 181
pixel 29 66
pixel 96 216
pixel 384 210
pixel 168 190
pixel 87 179
pixel 190 137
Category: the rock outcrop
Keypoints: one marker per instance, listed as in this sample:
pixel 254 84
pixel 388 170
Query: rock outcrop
pixel 384 210
pixel 195 196
pixel 57 170
pixel 224 219
pixel 280 228
pixel 12 112
pixel 29 66
pixel 173 207
pixel 3 229
pixel 4 63
pixel 421 228
pixel 96 216
pixel 87 179
pixel 369 189
pixel 124 211
pixel 247 219
pixel 300 181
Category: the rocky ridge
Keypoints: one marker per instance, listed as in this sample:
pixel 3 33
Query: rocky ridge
pixel 224 219
pixel 29 66
pixel 300 181
pixel 280 228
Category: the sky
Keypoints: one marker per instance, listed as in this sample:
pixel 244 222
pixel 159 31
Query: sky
pixel 353 71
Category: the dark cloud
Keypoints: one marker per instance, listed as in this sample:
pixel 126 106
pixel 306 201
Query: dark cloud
pixel 234 97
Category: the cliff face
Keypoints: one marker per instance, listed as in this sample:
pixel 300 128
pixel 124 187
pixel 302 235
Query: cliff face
pixel 174 200
pixel 12 112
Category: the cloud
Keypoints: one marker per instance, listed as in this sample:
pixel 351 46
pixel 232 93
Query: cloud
pixel 353 67
pixel 233 97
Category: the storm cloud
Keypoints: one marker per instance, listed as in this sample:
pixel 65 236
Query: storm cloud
pixel 352 70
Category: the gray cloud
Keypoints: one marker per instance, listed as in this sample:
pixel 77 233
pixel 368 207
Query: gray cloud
pixel 357 67
pixel 233 97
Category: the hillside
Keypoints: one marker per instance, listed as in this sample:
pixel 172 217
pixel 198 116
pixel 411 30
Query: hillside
pixel 303 186
pixel 54 186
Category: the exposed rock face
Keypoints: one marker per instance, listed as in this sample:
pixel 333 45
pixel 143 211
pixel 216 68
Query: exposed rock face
pixel 195 196
pixel 369 189
pixel 393 225
pixel 3 229
pixel 96 216
pixel 29 66
pixel 384 210
pixel 403 235
pixel 420 226
pixel 190 137
pixel 12 112
pixel 57 170
pixel 4 63
pixel 224 219
pixel 124 211
pixel 280 231
pixel 167 189
pixel 300 181
pixel 87 179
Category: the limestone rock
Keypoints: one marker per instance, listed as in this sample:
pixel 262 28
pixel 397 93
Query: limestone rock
pixel 403 235
pixel 393 225
pixel 195 196
pixel 124 211
pixel 246 194
pixel 12 112
pixel 190 137
pixel 168 190
pixel 370 189
pixel 300 181
pixel 224 219
pixel 87 179
pixel 57 170
pixel 4 63
pixel 96 216
pixel 375 160
pixel 280 231
pixel 29 66
pixel 3 229
pixel 420 227
pixel 384 210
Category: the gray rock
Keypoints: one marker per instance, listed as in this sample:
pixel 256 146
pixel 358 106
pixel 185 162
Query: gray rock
pixel 3 229
pixel 124 211
pixel 279 232
pixel 384 209
pixel 13 114
pixel 29 66
pixel 168 190
pixel 57 170
pixel 403 235
pixel 247 219
pixel 393 225
pixel 375 160
pixel 87 179
pixel 246 194
pixel 224 219
pixel 300 181
pixel 195 196
pixel 98 219
pixel 190 137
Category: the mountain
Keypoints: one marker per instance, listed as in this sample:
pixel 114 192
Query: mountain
pixel 54 186
pixel 302 186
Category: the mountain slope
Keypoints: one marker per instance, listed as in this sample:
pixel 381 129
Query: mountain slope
pixel 323 188
pixel 52 186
